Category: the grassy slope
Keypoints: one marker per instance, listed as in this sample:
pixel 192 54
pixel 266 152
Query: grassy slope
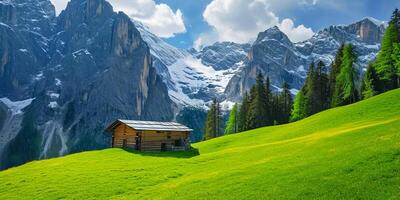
pixel 344 153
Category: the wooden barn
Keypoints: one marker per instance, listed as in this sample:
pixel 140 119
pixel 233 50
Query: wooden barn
pixel 149 135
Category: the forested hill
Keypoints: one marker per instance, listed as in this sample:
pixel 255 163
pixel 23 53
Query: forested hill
pixel 343 153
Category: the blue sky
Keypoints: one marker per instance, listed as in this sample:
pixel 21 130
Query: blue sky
pixel 188 23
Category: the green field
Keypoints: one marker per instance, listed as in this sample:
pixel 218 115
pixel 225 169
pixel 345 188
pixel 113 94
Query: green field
pixel 351 152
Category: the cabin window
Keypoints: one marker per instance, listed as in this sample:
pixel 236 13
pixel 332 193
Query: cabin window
pixel 159 131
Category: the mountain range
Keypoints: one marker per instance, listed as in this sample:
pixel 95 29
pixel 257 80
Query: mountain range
pixel 64 78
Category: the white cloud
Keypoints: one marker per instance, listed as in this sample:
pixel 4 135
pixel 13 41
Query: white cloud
pixel 241 20
pixel 159 18
pixel 295 34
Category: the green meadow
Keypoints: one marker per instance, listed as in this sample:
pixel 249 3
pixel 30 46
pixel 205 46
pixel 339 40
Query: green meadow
pixel 350 152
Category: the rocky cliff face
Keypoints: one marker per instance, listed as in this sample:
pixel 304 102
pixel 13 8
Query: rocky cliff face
pixel 95 68
pixel 275 56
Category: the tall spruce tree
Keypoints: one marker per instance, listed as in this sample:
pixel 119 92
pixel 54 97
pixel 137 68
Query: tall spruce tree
pixel 369 83
pixel 322 88
pixel 257 116
pixel 210 125
pixel 309 91
pixel 385 64
pixel 232 124
pixel 285 103
pixel 219 120
pixel 396 59
pixel 345 88
pixel 298 111
pixel 268 94
pixel 243 112
pixel 335 70
pixel 213 122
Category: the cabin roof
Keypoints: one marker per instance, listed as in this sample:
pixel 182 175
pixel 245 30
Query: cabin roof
pixel 149 125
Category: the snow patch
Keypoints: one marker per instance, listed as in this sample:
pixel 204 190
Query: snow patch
pixel 39 76
pixel 53 105
pixel 53 95
pixel 23 50
pixel 227 105
pixel 82 52
pixel 16 107
pixel 376 21
pixel 58 82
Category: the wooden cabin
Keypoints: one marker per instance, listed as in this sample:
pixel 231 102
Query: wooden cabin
pixel 149 135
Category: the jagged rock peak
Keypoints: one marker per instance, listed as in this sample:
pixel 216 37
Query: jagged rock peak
pixel 125 37
pixel 84 11
pixel 32 15
pixel 96 8
pixel 273 33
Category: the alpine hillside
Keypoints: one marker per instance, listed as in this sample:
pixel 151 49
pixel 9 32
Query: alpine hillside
pixel 348 152
pixel 64 78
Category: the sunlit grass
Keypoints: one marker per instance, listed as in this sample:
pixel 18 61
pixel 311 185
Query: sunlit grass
pixel 352 152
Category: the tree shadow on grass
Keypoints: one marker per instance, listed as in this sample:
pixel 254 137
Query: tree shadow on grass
pixel 192 152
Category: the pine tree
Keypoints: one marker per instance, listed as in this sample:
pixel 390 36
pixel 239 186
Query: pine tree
pixel 243 111
pixel 257 115
pixel 268 94
pixel 345 88
pixel 213 122
pixel 218 118
pixel 285 105
pixel 322 88
pixel 385 64
pixel 232 124
pixel 298 111
pixel 210 125
pixel 370 83
pixel 395 19
pixel 335 70
pixel 309 91
pixel 396 59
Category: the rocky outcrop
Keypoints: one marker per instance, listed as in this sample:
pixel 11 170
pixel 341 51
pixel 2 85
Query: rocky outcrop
pixel 97 68
pixel 223 55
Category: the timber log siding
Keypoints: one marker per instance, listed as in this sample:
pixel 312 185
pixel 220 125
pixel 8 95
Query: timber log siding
pixel 124 136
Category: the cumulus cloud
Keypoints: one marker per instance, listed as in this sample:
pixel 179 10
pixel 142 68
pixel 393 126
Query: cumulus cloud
pixel 241 20
pixel 159 18
pixel 295 34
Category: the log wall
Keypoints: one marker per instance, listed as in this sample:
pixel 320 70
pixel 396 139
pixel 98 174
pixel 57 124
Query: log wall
pixel 150 140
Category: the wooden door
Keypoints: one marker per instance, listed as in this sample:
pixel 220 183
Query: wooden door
pixel 124 143
pixel 163 146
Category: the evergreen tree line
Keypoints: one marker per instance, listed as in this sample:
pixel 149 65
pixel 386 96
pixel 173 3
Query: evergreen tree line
pixel 214 124
pixel 384 73
pixel 262 107
pixel 323 90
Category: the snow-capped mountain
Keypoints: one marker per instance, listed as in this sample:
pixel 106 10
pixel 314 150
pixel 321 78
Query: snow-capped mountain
pixel 274 55
pixel 194 78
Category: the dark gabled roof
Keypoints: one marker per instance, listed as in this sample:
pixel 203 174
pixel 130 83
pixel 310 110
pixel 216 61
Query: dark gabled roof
pixel 149 125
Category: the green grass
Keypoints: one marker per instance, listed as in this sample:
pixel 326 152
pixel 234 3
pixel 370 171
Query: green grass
pixel 351 152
